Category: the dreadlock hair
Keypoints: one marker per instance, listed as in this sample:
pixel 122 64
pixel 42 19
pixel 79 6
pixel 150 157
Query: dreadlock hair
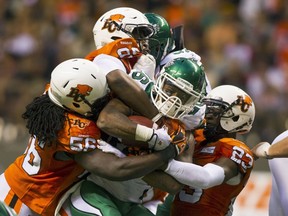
pixel 44 119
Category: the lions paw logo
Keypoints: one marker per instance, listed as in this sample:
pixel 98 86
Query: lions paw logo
pixel 245 102
pixel 79 92
pixel 110 23
pixel 117 17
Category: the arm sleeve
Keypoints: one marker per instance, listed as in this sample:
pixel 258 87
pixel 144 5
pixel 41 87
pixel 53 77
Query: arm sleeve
pixel 196 176
pixel 109 63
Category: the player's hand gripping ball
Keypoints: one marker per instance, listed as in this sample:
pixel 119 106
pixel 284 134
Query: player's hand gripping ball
pixel 176 130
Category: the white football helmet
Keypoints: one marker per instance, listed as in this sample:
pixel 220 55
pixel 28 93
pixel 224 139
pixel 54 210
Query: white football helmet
pixel 122 22
pixel 233 106
pixel 76 84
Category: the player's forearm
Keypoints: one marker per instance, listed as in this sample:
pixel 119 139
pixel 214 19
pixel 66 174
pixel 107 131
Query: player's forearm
pixel 163 181
pixel 131 93
pixel 113 120
pixel 138 166
pixel 279 149
pixel 196 176
pixel 276 150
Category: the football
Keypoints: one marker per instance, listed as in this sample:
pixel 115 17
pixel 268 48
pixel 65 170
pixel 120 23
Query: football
pixel 143 121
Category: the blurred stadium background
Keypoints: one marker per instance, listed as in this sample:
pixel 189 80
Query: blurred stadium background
pixel 241 42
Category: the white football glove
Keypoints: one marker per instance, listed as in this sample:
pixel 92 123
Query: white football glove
pixel 159 140
pixel 147 64
pixel 106 147
pixel 261 150
pixel 191 121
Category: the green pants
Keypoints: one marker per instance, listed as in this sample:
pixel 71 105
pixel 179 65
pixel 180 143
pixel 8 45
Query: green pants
pixel 96 198
pixel 164 209
pixel 6 210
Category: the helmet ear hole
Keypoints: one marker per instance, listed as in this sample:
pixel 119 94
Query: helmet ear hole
pixel 236 118
pixel 76 105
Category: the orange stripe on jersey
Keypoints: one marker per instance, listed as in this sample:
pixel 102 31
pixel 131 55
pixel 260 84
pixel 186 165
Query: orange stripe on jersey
pixel 13 201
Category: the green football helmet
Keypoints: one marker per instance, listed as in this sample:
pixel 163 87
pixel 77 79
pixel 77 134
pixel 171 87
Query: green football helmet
pixel 180 85
pixel 161 43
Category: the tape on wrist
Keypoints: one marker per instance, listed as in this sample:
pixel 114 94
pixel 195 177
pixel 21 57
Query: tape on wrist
pixel 143 133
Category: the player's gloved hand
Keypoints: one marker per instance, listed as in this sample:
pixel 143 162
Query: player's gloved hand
pixel 147 64
pixel 261 150
pixel 191 120
pixel 106 147
pixel 157 139
pixel 177 133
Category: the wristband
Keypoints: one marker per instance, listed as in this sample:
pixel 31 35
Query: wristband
pixel 143 133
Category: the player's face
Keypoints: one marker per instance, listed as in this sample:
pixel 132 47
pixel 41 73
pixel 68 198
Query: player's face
pixel 172 90
pixel 213 115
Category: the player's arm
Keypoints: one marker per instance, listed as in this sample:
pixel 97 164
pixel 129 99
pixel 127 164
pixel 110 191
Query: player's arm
pixel 124 86
pixel 163 181
pixel 204 177
pixel 110 166
pixel 131 93
pixel 114 121
pixel 277 150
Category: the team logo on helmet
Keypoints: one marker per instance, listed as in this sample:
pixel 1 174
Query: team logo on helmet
pixel 110 22
pixel 80 92
pixel 245 102
pixel 117 17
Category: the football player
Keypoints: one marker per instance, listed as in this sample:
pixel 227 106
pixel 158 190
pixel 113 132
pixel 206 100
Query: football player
pixel 64 142
pixel 180 86
pixel 121 37
pixel 168 44
pixel 277 154
pixel 221 163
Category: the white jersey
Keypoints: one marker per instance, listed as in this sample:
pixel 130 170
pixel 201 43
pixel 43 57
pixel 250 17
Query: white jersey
pixel 109 63
pixel 279 194
pixel 134 190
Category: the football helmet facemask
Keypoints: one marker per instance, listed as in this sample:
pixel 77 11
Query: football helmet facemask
pixel 78 85
pixel 180 85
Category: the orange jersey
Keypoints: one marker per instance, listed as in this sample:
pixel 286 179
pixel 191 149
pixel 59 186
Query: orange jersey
pixel 127 50
pixel 217 200
pixel 43 173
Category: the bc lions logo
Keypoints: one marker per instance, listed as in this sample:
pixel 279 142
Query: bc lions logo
pixel 244 102
pixel 80 92
pixel 117 17
pixel 109 23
